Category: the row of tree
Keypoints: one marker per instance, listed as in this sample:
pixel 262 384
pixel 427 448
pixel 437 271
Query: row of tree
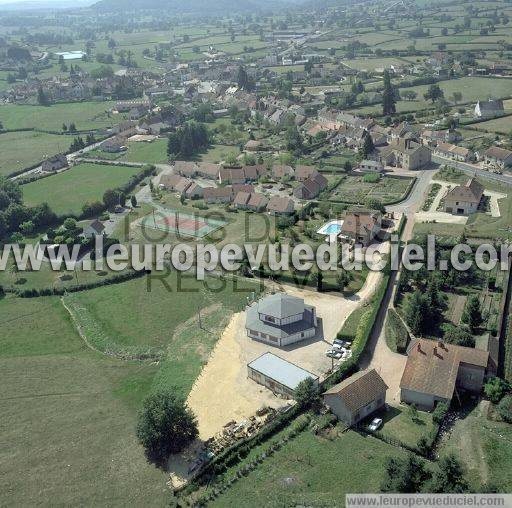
pixel 188 140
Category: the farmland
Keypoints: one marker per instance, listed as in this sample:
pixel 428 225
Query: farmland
pixel 88 181
pixel 36 146
pixel 76 426
pixel 85 116
pixel 353 189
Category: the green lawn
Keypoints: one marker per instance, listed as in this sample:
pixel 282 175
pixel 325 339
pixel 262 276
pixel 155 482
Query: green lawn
pixel 399 425
pixel 151 153
pixel 20 150
pixel 68 191
pixel 85 115
pixel 313 471
pixel 71 412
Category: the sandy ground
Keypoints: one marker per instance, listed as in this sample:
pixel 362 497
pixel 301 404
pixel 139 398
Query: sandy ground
pixel 223 392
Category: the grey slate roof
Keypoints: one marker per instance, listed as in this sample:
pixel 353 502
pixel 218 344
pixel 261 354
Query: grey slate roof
pixel 281 305
pixel 280 370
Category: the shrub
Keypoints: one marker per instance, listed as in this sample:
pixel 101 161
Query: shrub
pixel 397 336
pixel 505 408
pixel 440 413
pixel 496 388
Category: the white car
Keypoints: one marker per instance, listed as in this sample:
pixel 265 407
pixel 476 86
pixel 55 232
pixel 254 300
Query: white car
pixel 332 353
pixel 375 424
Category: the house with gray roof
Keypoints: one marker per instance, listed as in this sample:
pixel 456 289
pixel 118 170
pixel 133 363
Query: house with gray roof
pixel 281 320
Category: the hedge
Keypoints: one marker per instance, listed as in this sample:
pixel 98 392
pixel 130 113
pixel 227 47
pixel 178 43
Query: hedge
pixel 50 291
pixel 397 336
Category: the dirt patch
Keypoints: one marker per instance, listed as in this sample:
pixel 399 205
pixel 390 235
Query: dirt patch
pixel 223 391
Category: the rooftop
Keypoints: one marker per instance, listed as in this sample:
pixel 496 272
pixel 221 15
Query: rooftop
pixel 280 370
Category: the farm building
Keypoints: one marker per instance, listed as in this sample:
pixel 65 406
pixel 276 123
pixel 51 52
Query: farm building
pixel 497 159
pixel 356 397
pixel 281 320
pixel 278 375
pixel 436 371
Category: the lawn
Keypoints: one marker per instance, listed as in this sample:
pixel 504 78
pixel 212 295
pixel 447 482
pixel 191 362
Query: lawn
pixel 85 115
pixel 353 189
pixel 313 471
pixel 399 425
pixel 68 415
pixel 68 191
pixel 24 149
pixel 150 153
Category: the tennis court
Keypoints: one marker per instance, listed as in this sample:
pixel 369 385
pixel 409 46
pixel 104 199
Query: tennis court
pixel 182 223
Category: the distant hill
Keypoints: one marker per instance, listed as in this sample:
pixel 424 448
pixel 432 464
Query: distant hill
pixel 205 7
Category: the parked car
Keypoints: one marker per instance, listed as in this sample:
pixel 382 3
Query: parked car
pixel 375 424
pixel 333 353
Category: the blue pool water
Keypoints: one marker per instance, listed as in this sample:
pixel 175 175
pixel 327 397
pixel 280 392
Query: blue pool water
pixel 332 229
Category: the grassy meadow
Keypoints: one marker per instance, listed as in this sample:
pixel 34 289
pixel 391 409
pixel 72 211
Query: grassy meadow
pixel 68 191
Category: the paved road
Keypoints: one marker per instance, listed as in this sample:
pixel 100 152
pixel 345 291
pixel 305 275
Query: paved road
pixel 472 169
pixel 417 195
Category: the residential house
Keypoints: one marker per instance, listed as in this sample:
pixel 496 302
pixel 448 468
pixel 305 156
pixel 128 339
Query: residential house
pixel 280 320
pixel 436 371
pixel 95 228
pixel 208 170
pixel 361 227
pixel 311 187
pixel 432 137
pixel 194 191
pixel 489 109
pixel 54 163
pixel 282 171
pixel 282 206
pixel 356 397
pixel 454 152
pixel 253 201
pixel 302 173
pixel 407 154
pixel 218 195
pixel 464 199
pixel 497 159
pixel 369 166
pixel 185 168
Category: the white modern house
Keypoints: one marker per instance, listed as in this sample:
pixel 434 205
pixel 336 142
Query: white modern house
pixel 281 320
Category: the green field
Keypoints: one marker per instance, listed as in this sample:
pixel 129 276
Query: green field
pixel 68 191
pixel 144 312
pixel 313 471
pixel 20 150
pixel 150 153
pixel 85 115
pixel 71 413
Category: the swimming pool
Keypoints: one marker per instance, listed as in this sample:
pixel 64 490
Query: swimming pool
pixel 331 228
